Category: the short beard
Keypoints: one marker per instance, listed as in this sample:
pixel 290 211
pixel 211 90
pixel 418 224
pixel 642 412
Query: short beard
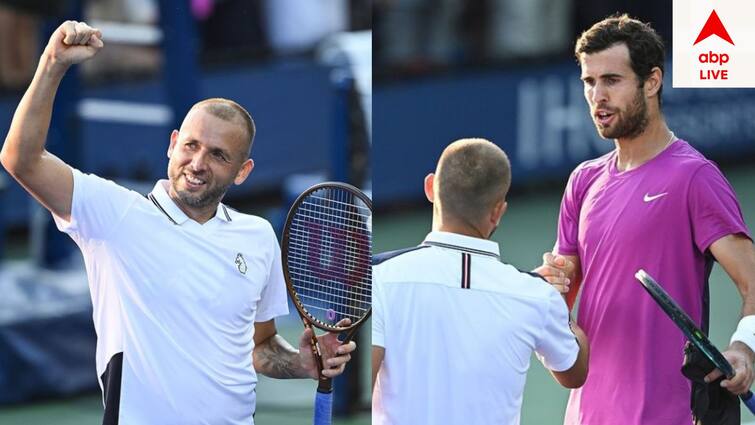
pixel 635 121
pixel 209 197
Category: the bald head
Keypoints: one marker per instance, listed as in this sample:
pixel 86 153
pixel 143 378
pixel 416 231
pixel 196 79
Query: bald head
pixel 472 176
pixel 228 110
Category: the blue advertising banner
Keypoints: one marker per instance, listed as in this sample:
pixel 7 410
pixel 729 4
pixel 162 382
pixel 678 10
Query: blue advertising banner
pixel 538 116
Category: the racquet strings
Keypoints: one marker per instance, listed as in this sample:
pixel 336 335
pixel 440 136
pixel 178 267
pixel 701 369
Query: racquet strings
pixel 329 255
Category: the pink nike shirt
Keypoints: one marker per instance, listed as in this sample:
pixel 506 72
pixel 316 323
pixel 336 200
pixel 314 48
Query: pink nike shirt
pixel 662 217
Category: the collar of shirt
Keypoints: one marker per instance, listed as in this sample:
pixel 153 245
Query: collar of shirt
pixel 463 243
pixel 161 198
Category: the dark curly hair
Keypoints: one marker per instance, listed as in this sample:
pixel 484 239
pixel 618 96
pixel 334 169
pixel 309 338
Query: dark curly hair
pixel 646 48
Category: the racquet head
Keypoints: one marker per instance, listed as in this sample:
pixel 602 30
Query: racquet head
pixel 326 255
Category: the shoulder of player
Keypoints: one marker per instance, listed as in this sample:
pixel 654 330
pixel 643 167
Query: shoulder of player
pixel 692 164
pixel 536 288
pixel 383 257
pixel 686 155
pixel 505 280
pixel 126 189
pixel 94 191
pixel 595 164
pixel 529 284
pixel 246 220
pixel 536 276
pixel 587 171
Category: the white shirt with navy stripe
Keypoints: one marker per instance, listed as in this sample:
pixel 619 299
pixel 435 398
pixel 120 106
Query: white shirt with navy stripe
pixel 175 303
pixel 459 328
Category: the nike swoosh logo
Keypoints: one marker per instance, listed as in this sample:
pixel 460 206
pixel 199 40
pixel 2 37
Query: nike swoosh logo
pixel 649 198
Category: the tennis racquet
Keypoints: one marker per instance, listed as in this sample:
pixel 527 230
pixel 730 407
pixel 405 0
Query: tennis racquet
pixel 691 331
pixel 326 255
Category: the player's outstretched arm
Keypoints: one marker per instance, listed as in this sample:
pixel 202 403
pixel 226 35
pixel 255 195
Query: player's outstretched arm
pixel 575 376
pixel 42 174
pixel 273 356
pixel 736 255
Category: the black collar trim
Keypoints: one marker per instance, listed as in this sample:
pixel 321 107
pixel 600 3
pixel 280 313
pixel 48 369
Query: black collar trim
pixel 157 204
pixel 462 248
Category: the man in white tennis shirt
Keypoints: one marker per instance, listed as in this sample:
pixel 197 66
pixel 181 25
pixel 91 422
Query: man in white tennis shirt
pixel 184 290
pixel 454 326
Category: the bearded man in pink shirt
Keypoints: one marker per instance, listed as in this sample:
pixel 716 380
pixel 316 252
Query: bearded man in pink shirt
pixel 654 203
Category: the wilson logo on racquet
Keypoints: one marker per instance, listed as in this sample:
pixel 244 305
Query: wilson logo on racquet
pixel 337 253
pixel 241 263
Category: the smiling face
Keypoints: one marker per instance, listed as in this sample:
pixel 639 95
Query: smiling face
pixel 614 93
pixel 207 155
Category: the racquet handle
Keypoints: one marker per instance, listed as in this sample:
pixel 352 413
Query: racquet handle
pixel 324 408
pixel 749 401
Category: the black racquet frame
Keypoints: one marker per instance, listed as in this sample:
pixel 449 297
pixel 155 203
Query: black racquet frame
pixel 310 320
pixel 690 330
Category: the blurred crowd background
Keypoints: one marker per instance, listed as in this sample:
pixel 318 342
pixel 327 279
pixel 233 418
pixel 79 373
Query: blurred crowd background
pixel 230 32
pixel 415 37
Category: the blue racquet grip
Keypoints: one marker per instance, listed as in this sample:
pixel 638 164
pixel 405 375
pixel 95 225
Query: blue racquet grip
pixel 749 401
pixel 324 408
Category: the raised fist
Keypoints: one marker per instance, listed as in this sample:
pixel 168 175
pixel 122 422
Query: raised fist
pixel 74 42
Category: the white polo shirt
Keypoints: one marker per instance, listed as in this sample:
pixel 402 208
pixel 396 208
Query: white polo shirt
pixel 175 303
pixel 459 327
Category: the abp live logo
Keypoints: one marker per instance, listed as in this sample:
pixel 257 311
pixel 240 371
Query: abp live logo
pixel 714 43
pixel 718 60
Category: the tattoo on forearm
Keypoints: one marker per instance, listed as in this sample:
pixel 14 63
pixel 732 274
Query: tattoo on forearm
pixel 276 358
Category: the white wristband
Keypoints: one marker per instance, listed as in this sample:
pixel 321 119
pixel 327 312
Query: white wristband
pixel 745 332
